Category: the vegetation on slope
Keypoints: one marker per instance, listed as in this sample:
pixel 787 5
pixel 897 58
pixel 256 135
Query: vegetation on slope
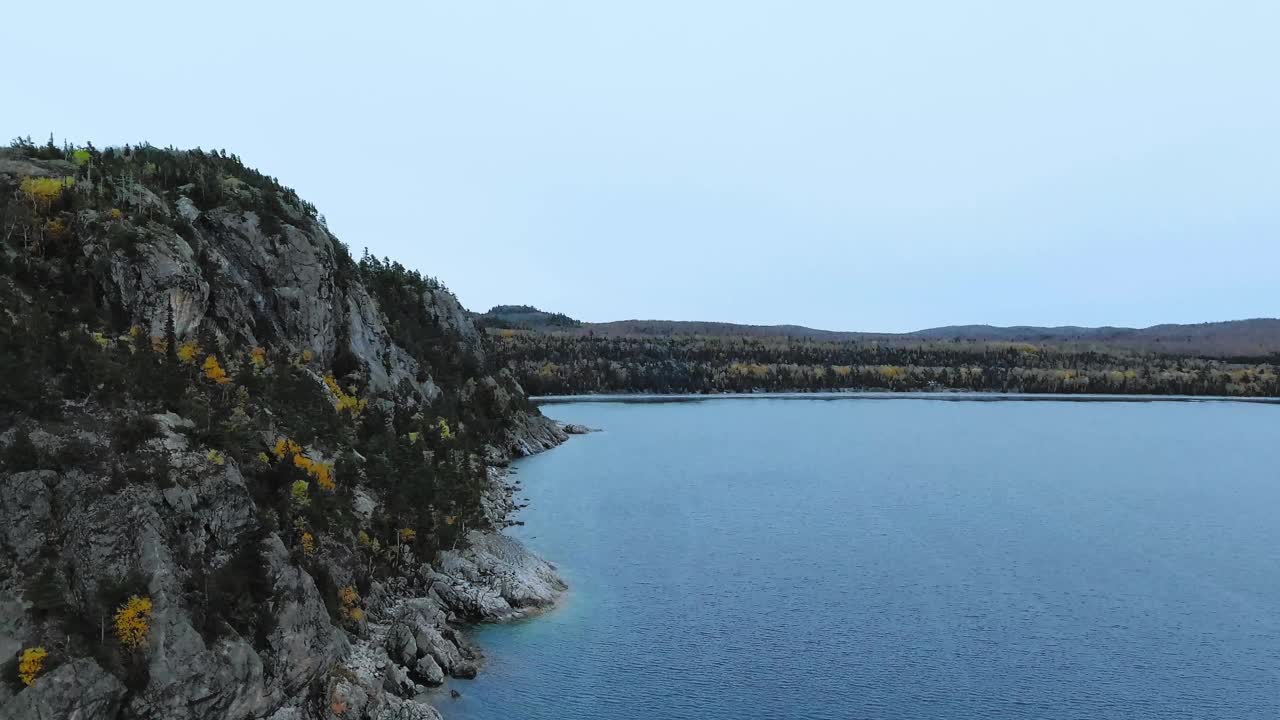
pixel 525 317
pixel 563 363
pixel 88 375
pixel 1256 339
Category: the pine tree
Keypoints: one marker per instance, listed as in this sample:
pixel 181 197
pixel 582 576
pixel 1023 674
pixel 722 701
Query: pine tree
pixel 170 340
pixel 172 372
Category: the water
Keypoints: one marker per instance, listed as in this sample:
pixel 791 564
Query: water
pixel 900 559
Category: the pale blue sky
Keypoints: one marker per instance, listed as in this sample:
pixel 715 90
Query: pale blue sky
pixel 877 166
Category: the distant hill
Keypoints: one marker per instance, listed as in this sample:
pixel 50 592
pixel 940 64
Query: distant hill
pixel 1252 338
pixel 669 328
pixel 1235 338
pixel 525 317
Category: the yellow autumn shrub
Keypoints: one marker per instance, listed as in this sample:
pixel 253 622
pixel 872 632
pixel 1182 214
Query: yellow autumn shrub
pixel 31 664
pixel 285 446
pixel 133 622
pixel 214 371
pixel 55 229
pixel 344 402
pixel 44 191
pixel 368 543
pixel 321 472
pixel 350 601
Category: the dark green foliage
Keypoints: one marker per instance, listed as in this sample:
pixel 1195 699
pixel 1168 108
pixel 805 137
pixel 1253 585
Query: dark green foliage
pixel 70 351
pixel 24 363
pixel 114 592
pixel 345 363
pixel 555 363
pixel 235 598
pixel 91 371
pixel 329 592
pixel 9 674
pixel 74 453
pixel 22 454
pixel 140 468
pixel 299 398
pixel 131 431
pixel 46 592
pixel 91 619
pixel 524 317
pixel 400 294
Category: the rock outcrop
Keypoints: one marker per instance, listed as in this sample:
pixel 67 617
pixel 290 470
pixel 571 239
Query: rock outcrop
pixel 495 579
pixel 118 497
pixel 79 690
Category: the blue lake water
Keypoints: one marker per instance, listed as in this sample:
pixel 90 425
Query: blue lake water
pixel 899 559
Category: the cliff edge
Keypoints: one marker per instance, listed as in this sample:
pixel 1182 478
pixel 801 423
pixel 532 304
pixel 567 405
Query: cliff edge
pixel 244 475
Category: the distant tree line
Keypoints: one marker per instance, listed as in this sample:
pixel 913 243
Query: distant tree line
pixel 561 363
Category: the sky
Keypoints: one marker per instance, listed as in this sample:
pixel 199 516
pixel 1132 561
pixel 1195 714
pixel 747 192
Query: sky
pixel 842 165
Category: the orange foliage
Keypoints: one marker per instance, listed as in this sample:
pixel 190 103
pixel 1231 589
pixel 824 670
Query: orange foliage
pixel 320 471
pixel 214 371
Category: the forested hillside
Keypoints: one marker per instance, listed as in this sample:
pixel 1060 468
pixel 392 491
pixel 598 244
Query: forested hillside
pixel 552 354
pixel 526 317
pixel 1258 338
pixel 234 458
pixel 553 363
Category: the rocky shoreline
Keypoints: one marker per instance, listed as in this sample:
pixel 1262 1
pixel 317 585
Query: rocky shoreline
pixel 191 330
pixel 412 638
pixel 415 635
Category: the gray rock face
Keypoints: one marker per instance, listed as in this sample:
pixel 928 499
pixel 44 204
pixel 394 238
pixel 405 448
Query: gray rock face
pixel 402 645
pixel 219 271
pixel 429 671
pixel 166 275
pixel 187 209
pixel 449 313
pixel 25 496
pixel 414 641
pixel 412 645
pixel 283 290
pixel 532 434
pixel 305 644
pixel 370 340
pixel 78 690
pixel 496 579
pixel 104 539
pixel 13 628
pixel 406 710
pixel 396 680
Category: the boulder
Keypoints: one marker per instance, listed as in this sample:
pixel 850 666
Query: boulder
pixel 429 671
pixel 78 690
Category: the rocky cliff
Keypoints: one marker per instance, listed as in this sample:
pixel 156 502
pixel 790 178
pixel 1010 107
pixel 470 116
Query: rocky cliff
pixel 243 475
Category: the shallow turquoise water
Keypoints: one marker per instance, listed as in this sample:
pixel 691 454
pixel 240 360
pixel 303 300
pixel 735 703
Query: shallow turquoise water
pixel 899 559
